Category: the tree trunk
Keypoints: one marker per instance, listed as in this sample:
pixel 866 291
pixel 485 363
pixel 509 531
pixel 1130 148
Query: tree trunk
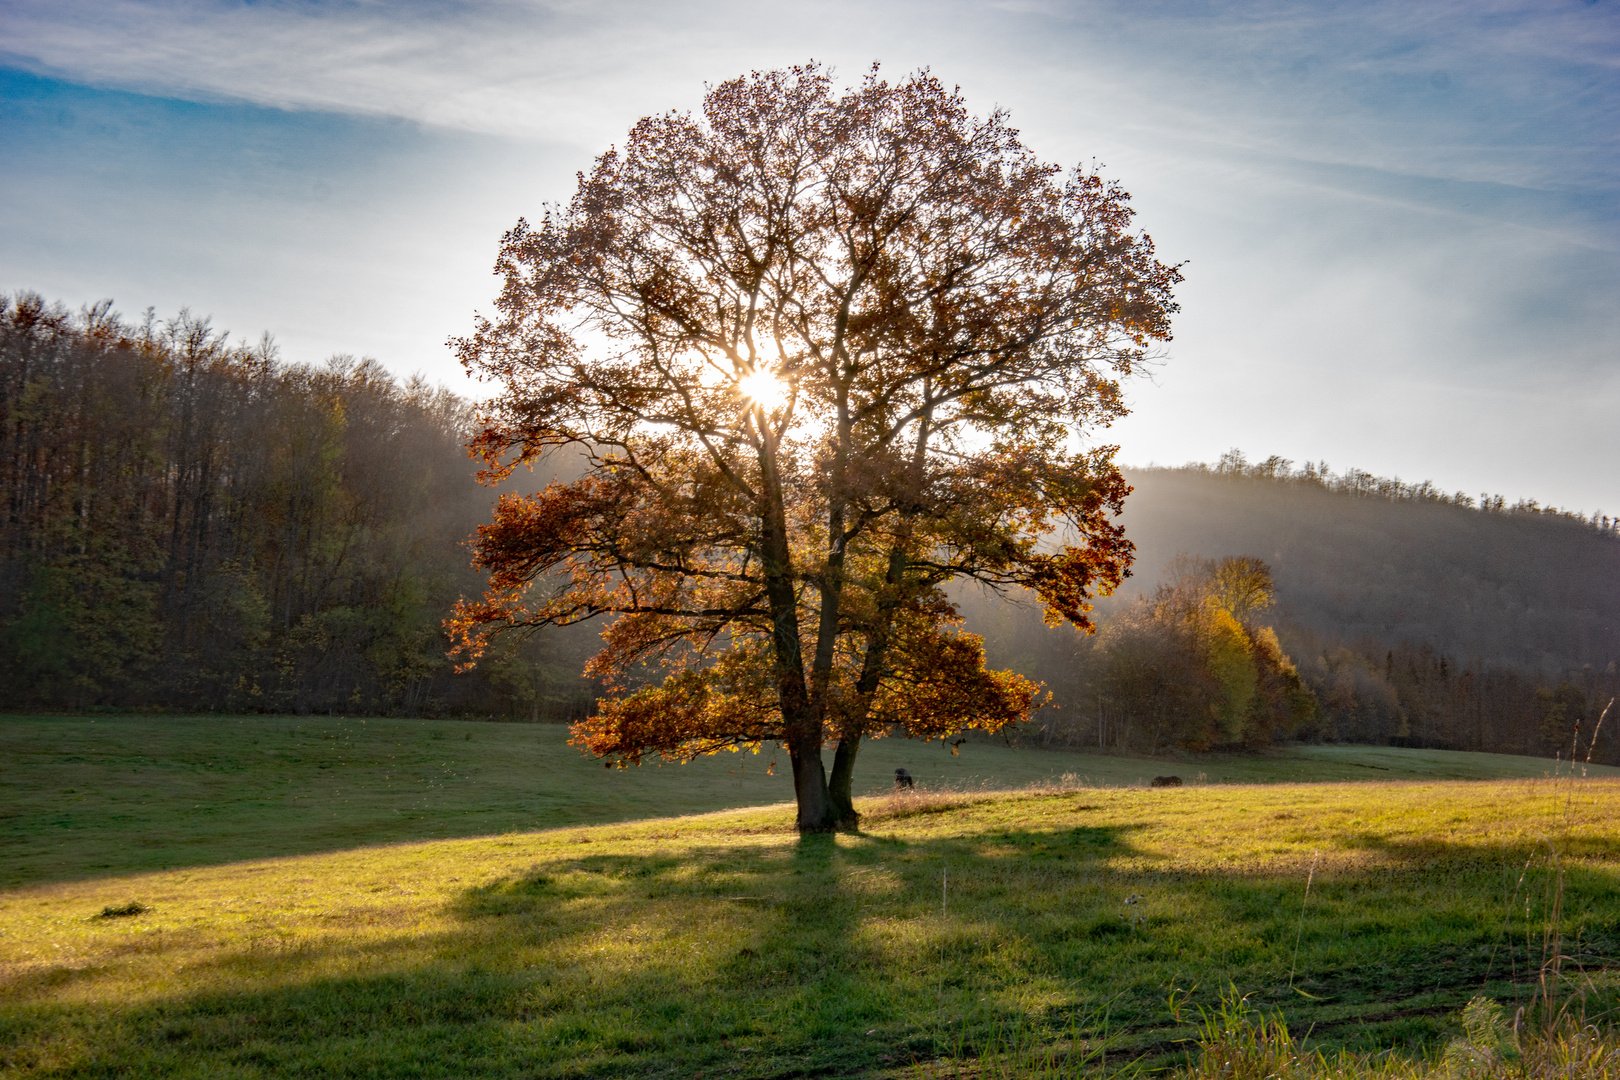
pixel 810 788
pixel 877 645
pixel 843 776
pixel 801 717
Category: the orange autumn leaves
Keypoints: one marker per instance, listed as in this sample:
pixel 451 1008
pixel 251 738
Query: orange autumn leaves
pixel 944 319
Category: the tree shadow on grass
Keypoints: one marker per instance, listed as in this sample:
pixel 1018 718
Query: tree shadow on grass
pixel 826 955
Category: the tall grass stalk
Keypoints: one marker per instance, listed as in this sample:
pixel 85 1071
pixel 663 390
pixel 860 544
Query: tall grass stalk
pixel 1299 934
pixel 1237 1041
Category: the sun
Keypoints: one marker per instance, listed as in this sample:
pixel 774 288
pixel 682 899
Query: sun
pixel 763 389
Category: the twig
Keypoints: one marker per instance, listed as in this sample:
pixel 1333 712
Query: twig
pixel 1590 746
pixel 1593 744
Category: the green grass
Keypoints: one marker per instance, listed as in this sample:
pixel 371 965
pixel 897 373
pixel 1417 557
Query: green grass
pixel 88 797
pixel 726 945
pixel 260 896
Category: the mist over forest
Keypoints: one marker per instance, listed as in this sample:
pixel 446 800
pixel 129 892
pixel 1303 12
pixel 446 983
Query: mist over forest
pixel 195 524
pixel 1414 616
pixel 1521 585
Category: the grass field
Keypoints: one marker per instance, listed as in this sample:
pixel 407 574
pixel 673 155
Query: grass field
pixel 283 923
pixel 724 945
pixel 90 797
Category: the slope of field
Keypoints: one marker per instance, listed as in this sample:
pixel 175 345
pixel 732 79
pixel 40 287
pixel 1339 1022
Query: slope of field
pixel 88 797
pixel 726 945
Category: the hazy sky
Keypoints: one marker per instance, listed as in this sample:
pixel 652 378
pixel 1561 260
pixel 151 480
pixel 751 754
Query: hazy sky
pixel 1400 221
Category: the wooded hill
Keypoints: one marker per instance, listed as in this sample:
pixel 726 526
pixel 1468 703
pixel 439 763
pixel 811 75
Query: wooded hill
pixel 1416 616
pixel 194 524
pixel 1356 557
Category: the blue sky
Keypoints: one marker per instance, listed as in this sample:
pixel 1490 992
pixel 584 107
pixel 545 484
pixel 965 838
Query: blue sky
pixel 1401 221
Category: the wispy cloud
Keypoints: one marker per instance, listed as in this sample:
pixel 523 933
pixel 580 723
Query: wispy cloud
pixel 504 67
pixel 1521 93
pixel 1402 219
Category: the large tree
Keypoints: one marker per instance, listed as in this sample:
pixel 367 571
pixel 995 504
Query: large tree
pixel 815 354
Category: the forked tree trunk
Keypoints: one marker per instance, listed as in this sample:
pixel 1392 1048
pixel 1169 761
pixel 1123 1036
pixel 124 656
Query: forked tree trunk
pixel 839 787
pixel 877 646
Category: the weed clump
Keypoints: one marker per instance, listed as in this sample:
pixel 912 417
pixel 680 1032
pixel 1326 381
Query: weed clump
pixel 1488 1041
pixel 1236 1041
pixel 1239 1042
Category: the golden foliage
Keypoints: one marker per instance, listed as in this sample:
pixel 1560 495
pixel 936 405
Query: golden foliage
pixel 1191 666
pixel 936 315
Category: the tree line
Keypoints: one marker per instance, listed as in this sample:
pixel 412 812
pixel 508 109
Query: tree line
pixel 1192 666
pixel 1409 694
pixel 1359 482
pixel 1171 671
pixel 1164 675
pixel 192 523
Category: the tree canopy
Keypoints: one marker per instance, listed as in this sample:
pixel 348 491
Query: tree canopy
pixel 816 353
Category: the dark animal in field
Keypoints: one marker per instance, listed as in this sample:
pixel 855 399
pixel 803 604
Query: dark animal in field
pixel 1166 781
pixel 902 779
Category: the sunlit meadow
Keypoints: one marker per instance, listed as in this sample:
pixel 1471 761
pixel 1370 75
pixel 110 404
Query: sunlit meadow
pixel 726 944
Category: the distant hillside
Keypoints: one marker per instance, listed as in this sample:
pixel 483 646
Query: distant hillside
pixel 1520 588
pixel 1416 617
